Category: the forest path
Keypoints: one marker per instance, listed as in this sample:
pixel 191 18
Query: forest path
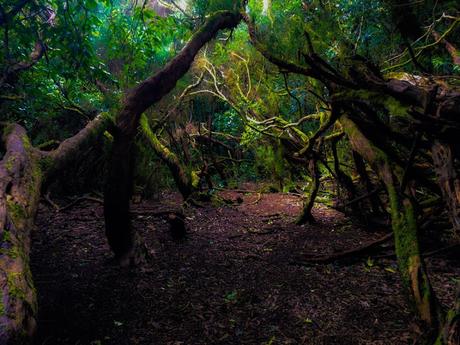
pixel 232 281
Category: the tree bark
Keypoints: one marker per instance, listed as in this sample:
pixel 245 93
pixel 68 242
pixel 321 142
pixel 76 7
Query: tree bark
pixel 448 180
pixel 450 333
pixel 118 188
pixel 346 190
pixel 306 216
pixel 184 182
pixel 23 170
pixel 20 179
pixel 404 224
pixel 366 182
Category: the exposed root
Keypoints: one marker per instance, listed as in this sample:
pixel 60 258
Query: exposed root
pixel 345 254
pixel 78 200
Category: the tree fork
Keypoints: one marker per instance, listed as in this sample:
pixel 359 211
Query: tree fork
pixel 118 189
pixel 23 170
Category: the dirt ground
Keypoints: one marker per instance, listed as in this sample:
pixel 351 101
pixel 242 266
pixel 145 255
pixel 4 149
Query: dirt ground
pixel 236 279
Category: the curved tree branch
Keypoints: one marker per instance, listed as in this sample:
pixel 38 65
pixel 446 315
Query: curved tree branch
pixel 118 189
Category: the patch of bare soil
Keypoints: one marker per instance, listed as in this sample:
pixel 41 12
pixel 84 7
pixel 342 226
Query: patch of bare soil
pixel 234 280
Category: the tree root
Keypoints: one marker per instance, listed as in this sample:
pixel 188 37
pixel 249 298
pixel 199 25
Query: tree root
pixel 158 213
pixel 259 197
pixel 80 199
pixel 345 254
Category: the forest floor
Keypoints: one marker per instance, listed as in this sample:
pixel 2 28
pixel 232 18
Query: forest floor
pixel 236 279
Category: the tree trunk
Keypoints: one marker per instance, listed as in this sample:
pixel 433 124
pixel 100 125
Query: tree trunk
pixel 404 224
pixel 306 216
pixel 450 333
pixel 346 190
pixel 118 190
pixel 23 169
pixel 366 182
pixel 20 179
pixel 448 180
pixel 186 183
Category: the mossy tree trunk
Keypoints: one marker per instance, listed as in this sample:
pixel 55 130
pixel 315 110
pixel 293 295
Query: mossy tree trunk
pixel 121 237
pixel 20 180
pixel 306 215
pixel 404 224
pixel 187 183
pixel 23 170
pixel 450 333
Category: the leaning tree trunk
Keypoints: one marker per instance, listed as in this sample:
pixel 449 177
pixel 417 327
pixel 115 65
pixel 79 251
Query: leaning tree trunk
pixel 404 224
pixel 186 183
pixel 306 216
pixel 23 169
pixel 118 190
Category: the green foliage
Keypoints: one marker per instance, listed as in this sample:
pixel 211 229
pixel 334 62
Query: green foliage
pixel 201 8
pixel 228 122
pixel 88 44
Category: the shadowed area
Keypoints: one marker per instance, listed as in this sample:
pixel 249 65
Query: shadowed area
pixel 234 280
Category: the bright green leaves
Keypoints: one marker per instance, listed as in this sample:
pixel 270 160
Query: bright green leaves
pixel 203 8
pixel 135 44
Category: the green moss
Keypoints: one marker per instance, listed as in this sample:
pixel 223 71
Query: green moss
pixel 12 253
pixel 13 279
pixel 7 130
pixel 195 179
pixel 9 164
pixel 16 211
pixel 37 175
pixel 45 163
pixel 26 142
pixel 6 236
pixel 392 105
pixel 2 306
pixel 395 108
pixel 108 136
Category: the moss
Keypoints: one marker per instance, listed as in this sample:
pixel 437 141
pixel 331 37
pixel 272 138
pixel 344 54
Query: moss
pixel 45 163
pixel 9 164
pixel 404 224
pixel 195 179
pixel 7 130
pixel 16 211
pixel 108 136
pixel 395 107
pixel 2 306
pixel 6 236
pixel 13 279
pixel 36 171
pixel 12 253
pixel 26 142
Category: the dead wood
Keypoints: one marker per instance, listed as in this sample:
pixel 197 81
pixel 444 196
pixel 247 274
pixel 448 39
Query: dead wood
pixel 365 248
